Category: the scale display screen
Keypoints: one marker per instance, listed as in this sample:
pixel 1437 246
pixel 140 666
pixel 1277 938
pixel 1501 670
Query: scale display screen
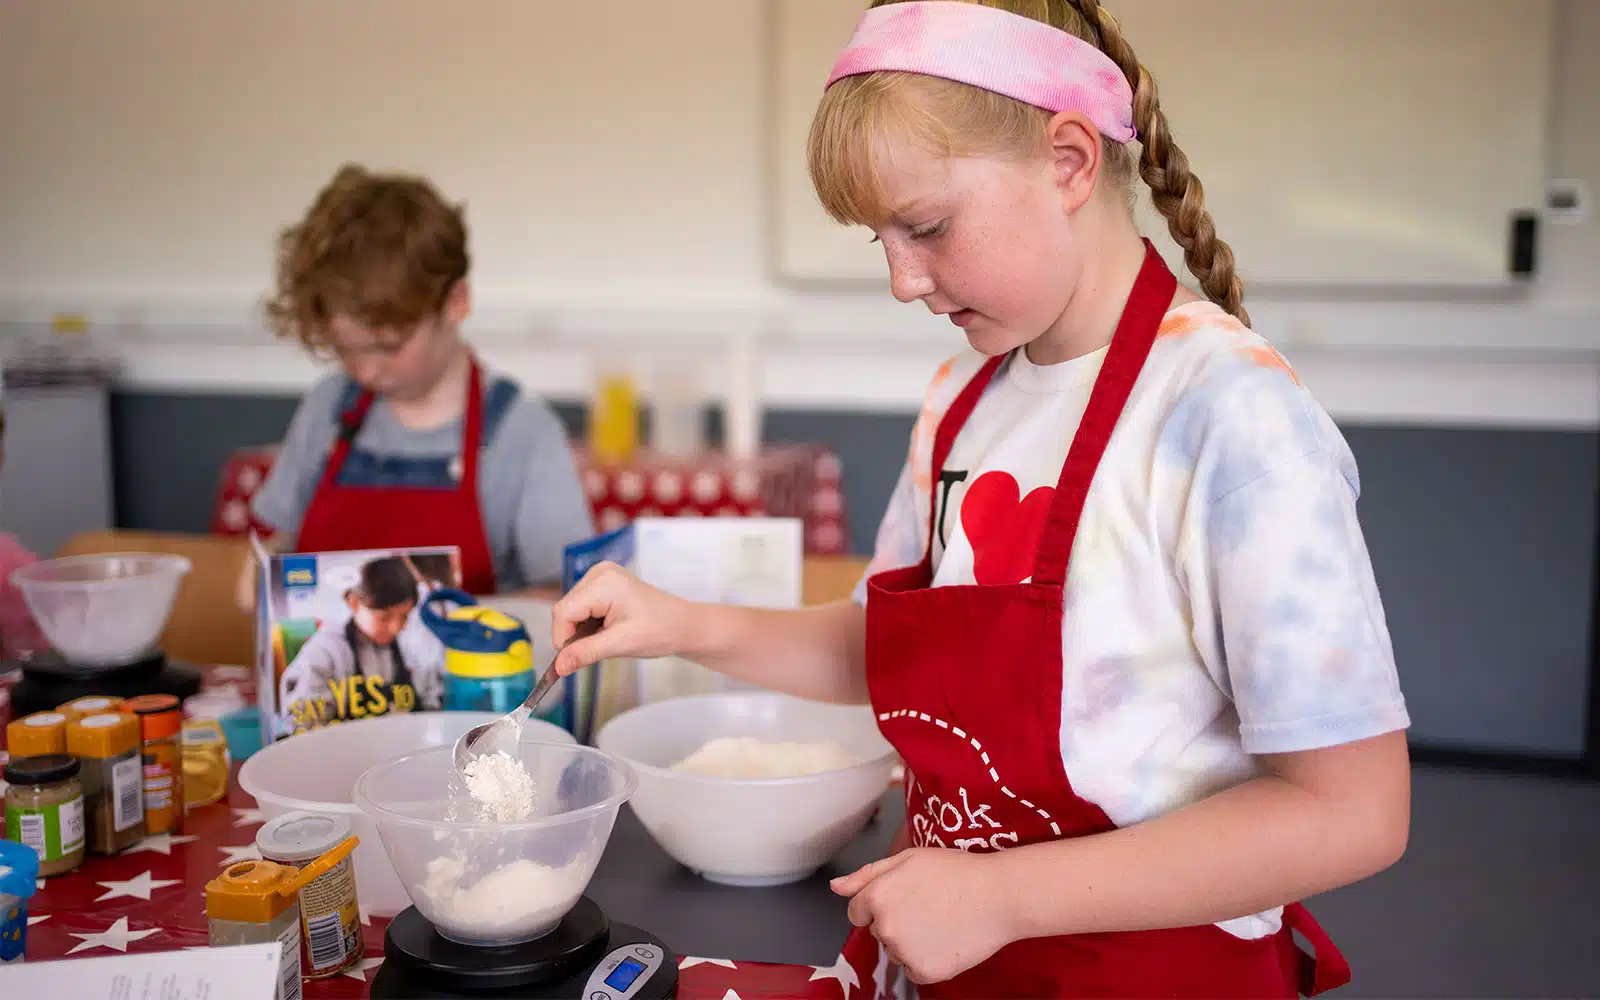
pixel 623 975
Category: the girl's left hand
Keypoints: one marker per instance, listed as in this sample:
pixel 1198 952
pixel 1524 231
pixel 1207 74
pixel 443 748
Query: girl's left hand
pixel 937 912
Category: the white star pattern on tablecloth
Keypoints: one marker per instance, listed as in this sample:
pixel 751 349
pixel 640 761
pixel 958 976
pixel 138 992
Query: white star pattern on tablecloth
pixel 160 843
pixel 366 918
pixel 731 995
pixel 117 937
pixel 246 817
pixel 880 975
pixel 241 852
pixel 138 887
pixel 360 969
pixel 840 970
pixel 689 963
pixel 41 918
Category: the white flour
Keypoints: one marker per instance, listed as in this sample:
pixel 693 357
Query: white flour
pixel 514 900
pixel 500 787
pixel 746 757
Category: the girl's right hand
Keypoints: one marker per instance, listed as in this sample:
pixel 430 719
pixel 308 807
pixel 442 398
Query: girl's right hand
pixel 642 622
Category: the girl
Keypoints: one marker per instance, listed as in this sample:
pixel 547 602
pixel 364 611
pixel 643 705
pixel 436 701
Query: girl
pixel 1121 623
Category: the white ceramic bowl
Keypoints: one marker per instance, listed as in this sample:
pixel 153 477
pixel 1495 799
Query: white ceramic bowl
pixel 317 771
pixel 102 609
pixel 497 884
pixel 750 831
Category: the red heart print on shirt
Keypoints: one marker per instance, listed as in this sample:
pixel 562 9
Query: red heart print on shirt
pixel 1003 527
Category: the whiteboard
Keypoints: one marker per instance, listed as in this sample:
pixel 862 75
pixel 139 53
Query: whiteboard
pixel 1363 143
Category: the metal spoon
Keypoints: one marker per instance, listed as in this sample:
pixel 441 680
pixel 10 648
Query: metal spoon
pixel 510 724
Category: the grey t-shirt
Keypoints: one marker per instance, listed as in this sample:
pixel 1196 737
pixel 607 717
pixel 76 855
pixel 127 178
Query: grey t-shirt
pixel 532 503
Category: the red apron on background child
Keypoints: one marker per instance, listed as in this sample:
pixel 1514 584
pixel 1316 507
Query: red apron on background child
pixel 984 768
pixel 344 518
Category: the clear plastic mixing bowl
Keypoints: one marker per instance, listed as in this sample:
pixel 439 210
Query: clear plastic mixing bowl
pixel 495 884
pixel 102 609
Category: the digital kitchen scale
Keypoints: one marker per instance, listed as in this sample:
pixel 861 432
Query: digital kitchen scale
pixel 49 680
pixel 586 957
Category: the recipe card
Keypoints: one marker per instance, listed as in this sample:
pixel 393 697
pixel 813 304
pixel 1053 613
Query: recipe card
pixel 245 972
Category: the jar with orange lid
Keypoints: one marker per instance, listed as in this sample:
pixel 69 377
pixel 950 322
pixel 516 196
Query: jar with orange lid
pixel 113 778
pixel 160 730
pixel 95 705
pixel 38 735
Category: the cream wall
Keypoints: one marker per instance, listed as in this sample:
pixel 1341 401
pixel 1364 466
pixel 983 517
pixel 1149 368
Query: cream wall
pixel 614 161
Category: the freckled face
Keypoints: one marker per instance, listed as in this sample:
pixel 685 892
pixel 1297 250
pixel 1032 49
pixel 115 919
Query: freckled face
pixel 984 240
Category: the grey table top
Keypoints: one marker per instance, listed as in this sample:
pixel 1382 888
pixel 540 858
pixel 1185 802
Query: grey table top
pixel 800 924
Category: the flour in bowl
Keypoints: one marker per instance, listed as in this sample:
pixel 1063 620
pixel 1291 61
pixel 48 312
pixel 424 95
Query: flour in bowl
pixel 747 757
pixel 516 900
pixel 500 787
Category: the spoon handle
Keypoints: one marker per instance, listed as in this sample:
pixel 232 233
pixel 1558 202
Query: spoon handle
pixel 585 629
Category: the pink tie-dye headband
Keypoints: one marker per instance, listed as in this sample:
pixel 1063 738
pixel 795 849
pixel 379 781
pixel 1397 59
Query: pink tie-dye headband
pixel 994 50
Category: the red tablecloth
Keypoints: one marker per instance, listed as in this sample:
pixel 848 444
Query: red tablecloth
pixel 791 480
pixel 151 898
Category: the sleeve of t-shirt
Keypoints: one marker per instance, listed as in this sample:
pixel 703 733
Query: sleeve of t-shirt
pixel 552 512
pixel 282 500
pixel 1286 609
pixel 900 535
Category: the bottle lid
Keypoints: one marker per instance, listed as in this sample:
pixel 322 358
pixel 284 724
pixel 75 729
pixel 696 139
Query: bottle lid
pixel 80 707
pixel 19 869
pixel 299 837
pixel 43 770
pixel 159 715
pixel 37 734
pixel 106 735
pixel 252 892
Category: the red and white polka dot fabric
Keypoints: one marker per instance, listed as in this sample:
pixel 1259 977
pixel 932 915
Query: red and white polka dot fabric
pixel 792 480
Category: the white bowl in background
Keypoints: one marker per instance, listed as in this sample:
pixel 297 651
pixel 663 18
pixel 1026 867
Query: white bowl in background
pixel 750 831
pixel 316 772
pixel 102 609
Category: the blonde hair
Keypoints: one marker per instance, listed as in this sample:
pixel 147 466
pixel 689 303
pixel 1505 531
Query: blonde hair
pixel 955 119
pixel 383 249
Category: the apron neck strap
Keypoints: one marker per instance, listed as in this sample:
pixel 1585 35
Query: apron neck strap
pixel 945 437
pixel 1130 346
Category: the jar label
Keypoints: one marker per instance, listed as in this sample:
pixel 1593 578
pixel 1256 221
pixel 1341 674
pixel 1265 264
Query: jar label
pixel 53 831
pixel 289 968
pixel 127 793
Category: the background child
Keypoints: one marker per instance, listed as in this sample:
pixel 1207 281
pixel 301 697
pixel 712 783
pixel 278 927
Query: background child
pixel 367 644
pixel 20 634
pixel 412 445
pixel 1121 625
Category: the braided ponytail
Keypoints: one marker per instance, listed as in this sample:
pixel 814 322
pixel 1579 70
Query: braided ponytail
pixel 1176 192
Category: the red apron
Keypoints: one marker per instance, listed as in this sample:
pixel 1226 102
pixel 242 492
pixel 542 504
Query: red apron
pixel 966 682
pixel 342 518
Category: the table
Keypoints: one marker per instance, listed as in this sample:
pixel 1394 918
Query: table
pixel 788 938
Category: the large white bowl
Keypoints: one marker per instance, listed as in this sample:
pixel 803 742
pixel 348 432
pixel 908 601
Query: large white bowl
pixel 750 831
pixel 317 771
pixel 502 883
pixel 102 609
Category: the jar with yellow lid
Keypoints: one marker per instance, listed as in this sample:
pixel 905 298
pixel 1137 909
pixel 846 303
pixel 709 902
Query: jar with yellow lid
pixel 37 735
pixel 257 902
pixel 113 779
pixel 207 767
pixel 96 705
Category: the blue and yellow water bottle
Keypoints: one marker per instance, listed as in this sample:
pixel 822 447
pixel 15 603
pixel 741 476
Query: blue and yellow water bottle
pixel 488 656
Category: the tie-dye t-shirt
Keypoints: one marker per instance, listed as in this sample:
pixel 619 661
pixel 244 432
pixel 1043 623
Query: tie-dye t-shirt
pixel 1220 602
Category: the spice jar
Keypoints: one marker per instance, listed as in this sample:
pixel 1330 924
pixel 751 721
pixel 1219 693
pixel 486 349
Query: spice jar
pixel 329 911
pixel 113 779
pixel 206 766
pixel 160 723
pixel 37 735
pixel 19 868
pixel 97 705
pixel 256 902
pixel 44 810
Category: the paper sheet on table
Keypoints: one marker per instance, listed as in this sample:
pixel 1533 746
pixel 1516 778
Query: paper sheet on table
pixel 245 972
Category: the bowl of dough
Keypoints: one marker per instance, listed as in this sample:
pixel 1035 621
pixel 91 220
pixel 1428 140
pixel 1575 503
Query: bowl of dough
pixel 752 788
pixel 498 855
pixel 316 772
